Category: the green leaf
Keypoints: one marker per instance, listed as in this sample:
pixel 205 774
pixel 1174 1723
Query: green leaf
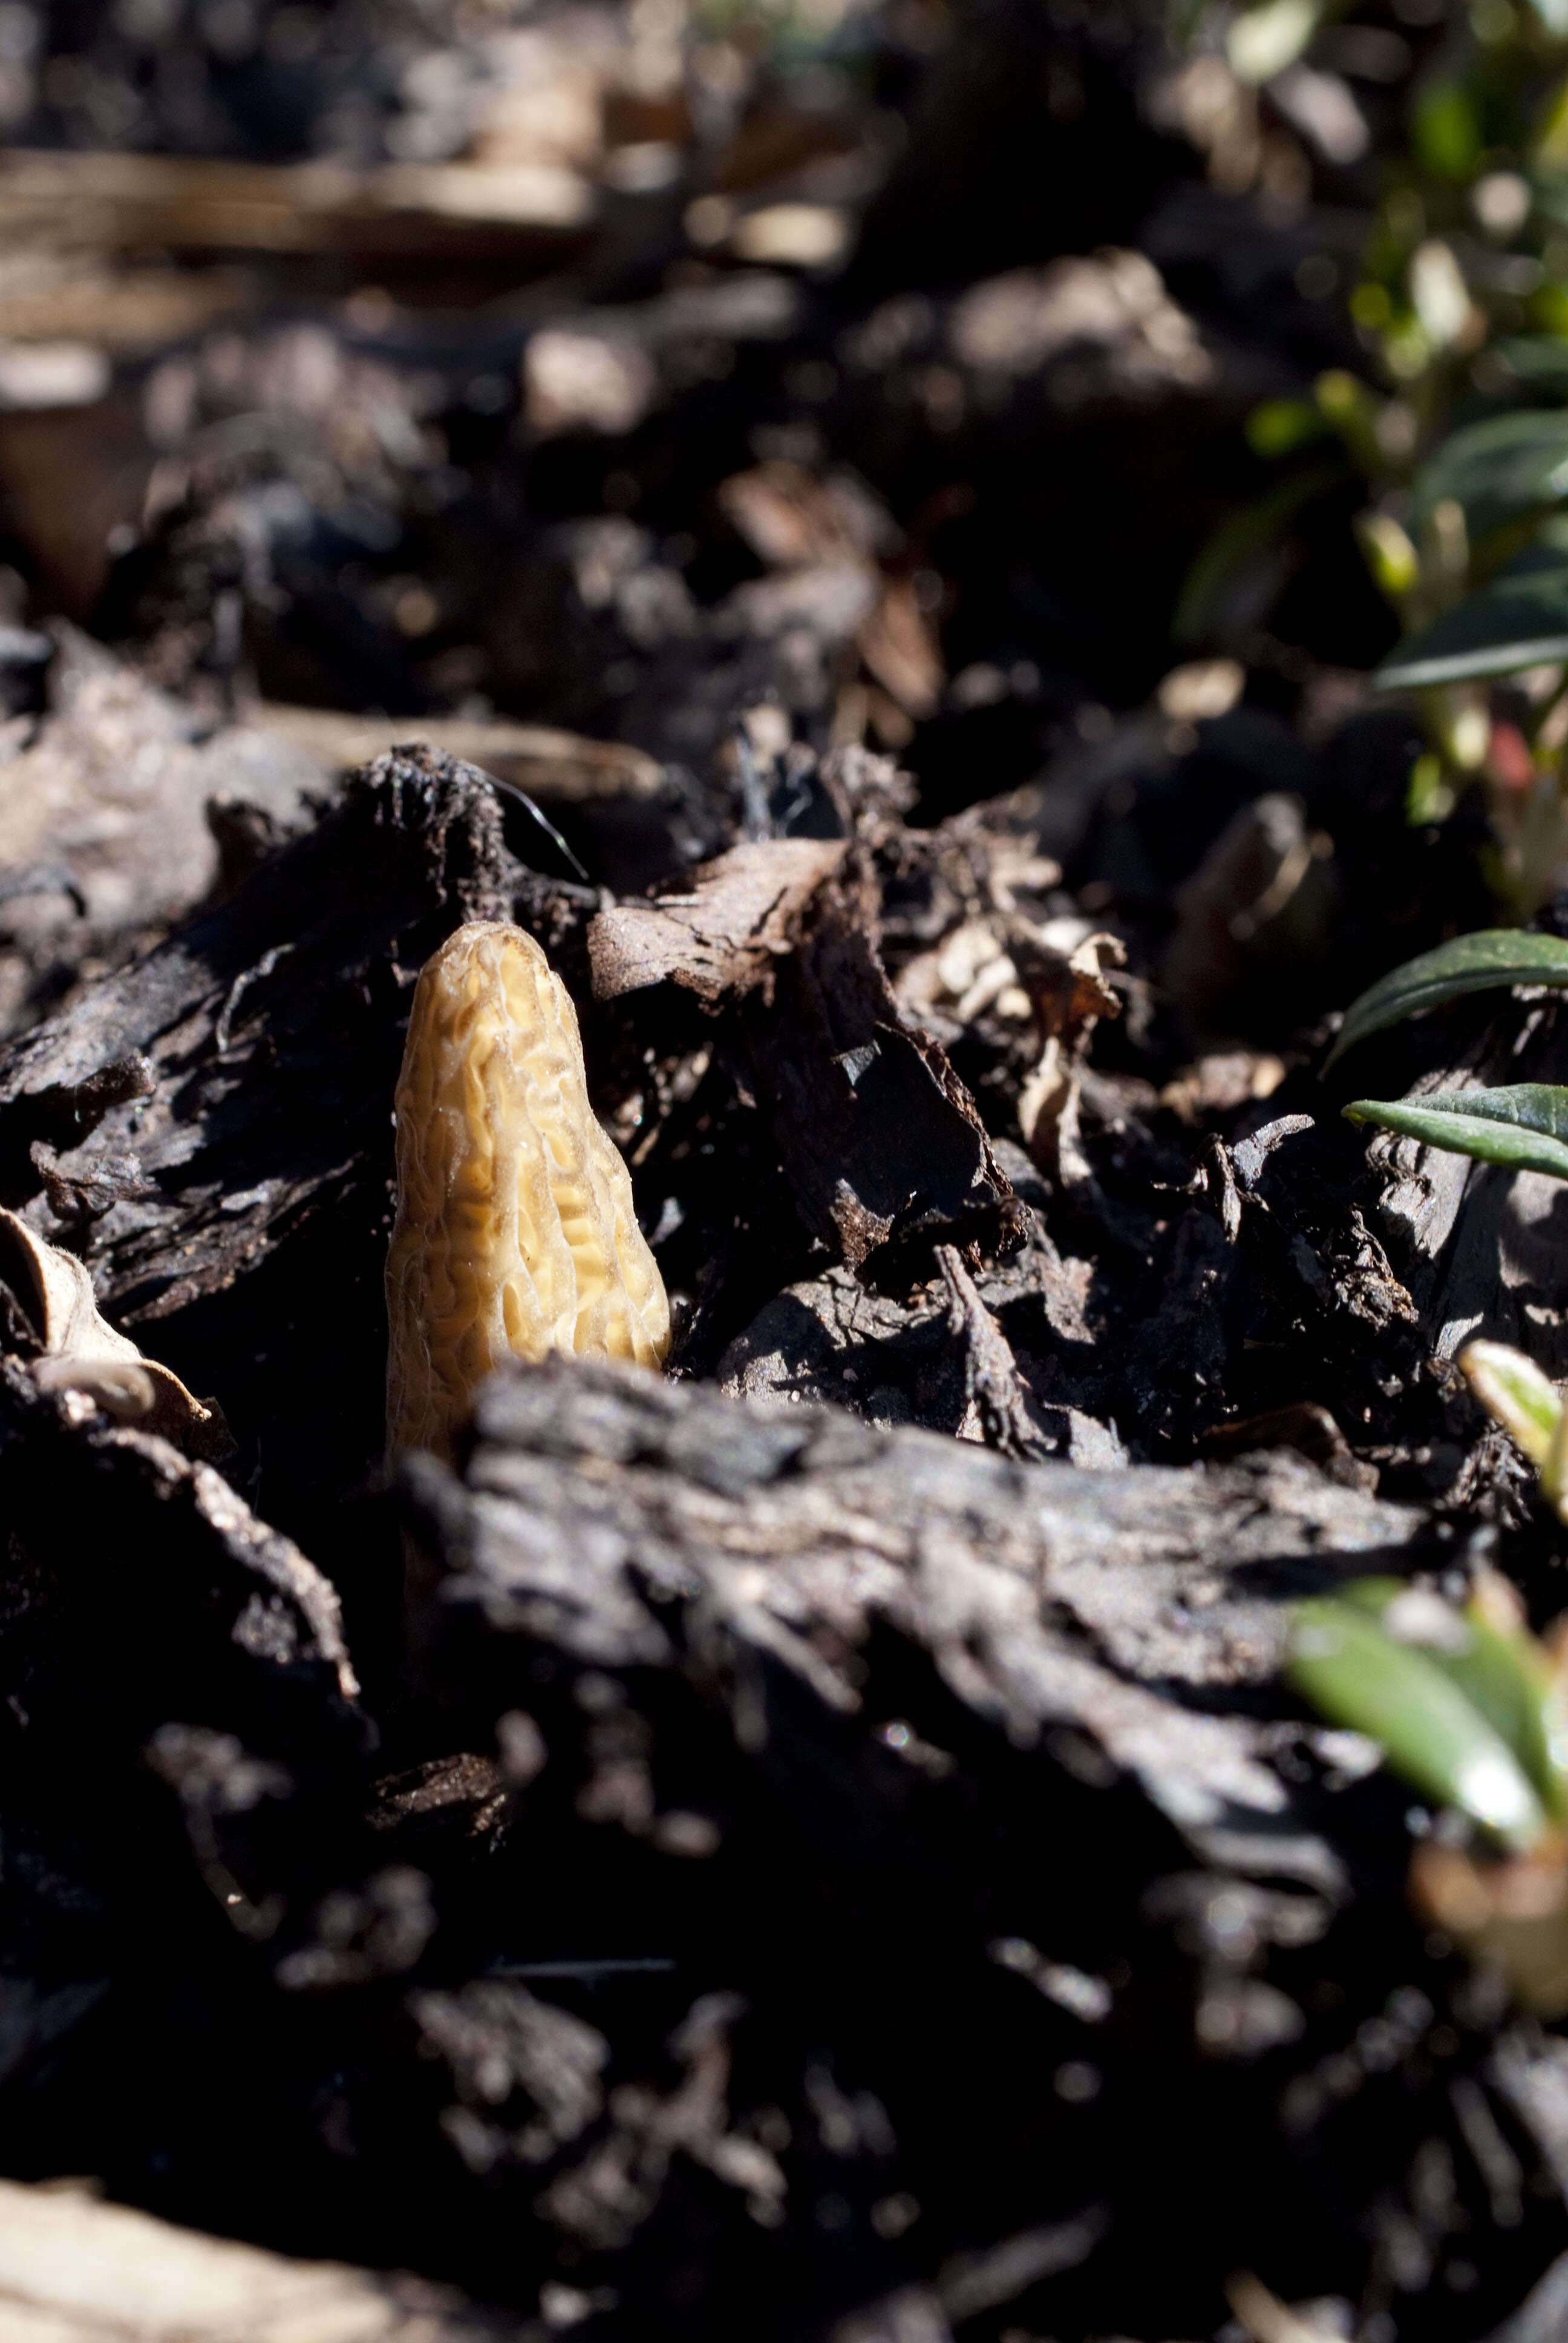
pixel 1499 470
pixel 1503 1673
pixel 1519 620
pixel 1474 963
pixel 1522 1126
pixel 1551 193
pixel 1444 129
pixel 1431 1732
pixel 1511 1682
pixel 1554 1469
pixel 1278 427
pixel 1372 1595
pixel 1539 361
pixel 1183 18
pixel 1515 1394
pixel 1241 540
pixel 1496 1677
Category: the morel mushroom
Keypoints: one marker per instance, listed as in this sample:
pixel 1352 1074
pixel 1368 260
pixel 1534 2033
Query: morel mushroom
pixel 514 1232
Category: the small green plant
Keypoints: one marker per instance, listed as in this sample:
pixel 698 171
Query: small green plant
pixel 1466 1704
pixel 1472 1710
pixel 1529 1406
pixel 1452 427
pixel 1518 1127
pixel 1521 1126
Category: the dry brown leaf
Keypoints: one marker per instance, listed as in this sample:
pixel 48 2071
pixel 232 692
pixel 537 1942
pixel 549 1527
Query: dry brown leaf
pixel 900 649
pixel 79 1350
pixel 1069 994
pixel 722 938
pixel 789 520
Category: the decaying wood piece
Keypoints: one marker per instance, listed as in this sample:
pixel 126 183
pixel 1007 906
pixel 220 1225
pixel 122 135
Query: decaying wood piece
pixel 516 1232
pixel 555 767
pixel 104 829
pixel 942 1359
pixel 879 1136
pixel 74 2270
pixel 996 1410
pixel 187 203
pixel 158 1637
pixel 893 1738
pixel 881 1139
pixel 1045 1595
pixel 50 295
pixel 249 1064
pixel 136 1534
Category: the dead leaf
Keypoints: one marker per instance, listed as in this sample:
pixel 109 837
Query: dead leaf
pixel 724 937
pixel 1069 994
pixel 878 1135
pixel 900 649
pixel 789 520
pixel 55 1314
pixel 997 1409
